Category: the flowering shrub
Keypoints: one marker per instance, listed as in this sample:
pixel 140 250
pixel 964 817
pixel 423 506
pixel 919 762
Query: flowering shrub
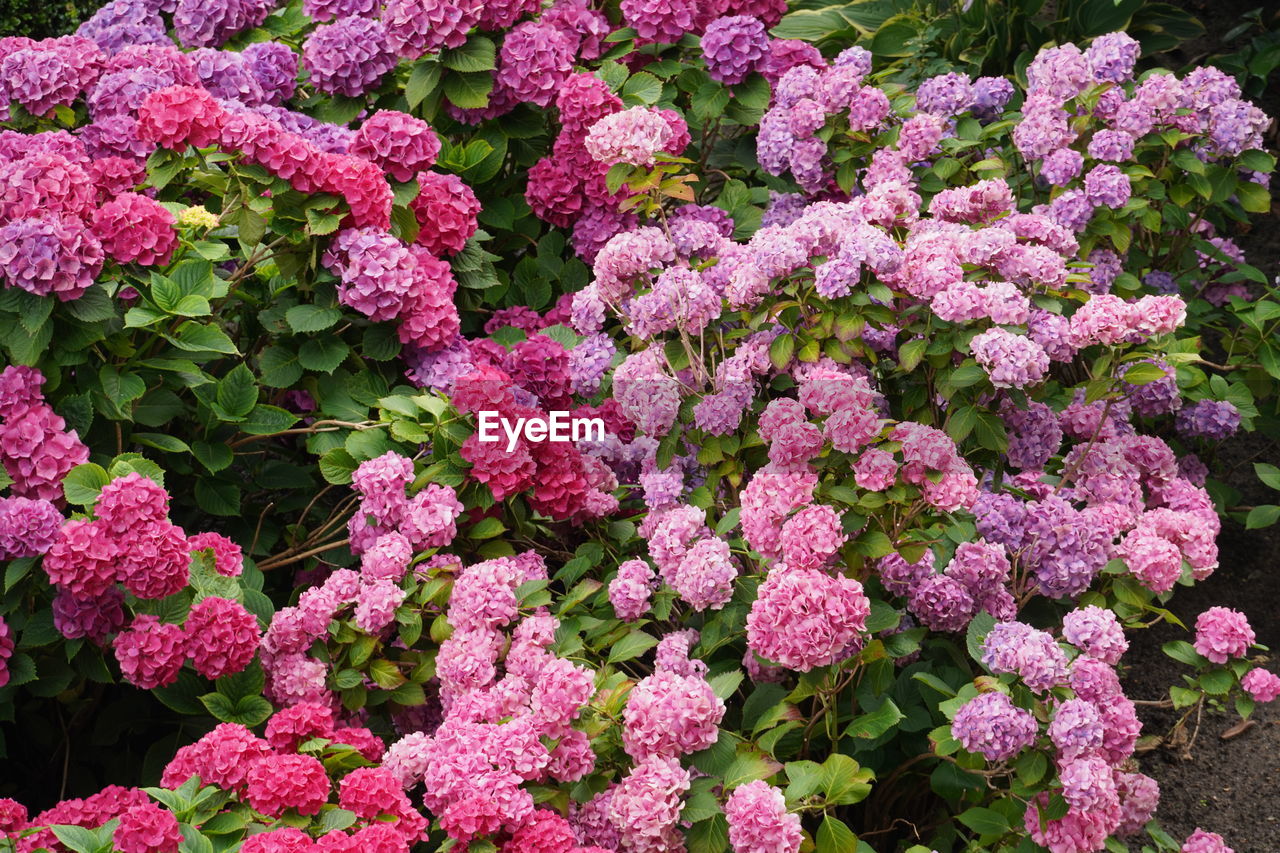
pixel 898 391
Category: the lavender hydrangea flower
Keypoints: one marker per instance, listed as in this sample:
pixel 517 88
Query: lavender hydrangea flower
pixel 348 57
pixel 1213 420
pixel 992 726
pixel 734 46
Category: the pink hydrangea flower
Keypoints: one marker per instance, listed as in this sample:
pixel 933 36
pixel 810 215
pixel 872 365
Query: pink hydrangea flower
pixel 134 228
pixel 147 828
pixel 759 821
pixel 222 637
pixel 803 618
pixel 151 652
pixel 670 715
pixel 1222 634
pixel 277 783
pixel 1262 685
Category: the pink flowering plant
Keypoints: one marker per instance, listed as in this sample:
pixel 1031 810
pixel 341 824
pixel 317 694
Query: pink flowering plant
pixel 898 396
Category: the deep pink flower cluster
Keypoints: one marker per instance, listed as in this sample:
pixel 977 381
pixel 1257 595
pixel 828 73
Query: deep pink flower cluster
pixel 446 211
pixel 36 447
pixel 134 228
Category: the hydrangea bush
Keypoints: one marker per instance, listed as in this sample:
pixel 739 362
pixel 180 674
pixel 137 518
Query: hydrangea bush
pixel 902 394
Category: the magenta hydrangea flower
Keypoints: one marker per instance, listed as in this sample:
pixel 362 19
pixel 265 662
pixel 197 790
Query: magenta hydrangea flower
pixel 228 558
pixel 151 652
pixel 1213 420
pixel 154 560
pixel 222 637
pixel 135 229
pixel 1095 631
pixel 83 559
pixel 1222 634
pixel 1106 185
pixel 415 27
pixel 1010 360
pixel 991 725
pixel 1203 841
pixel 446 210
pixel 279 782
pixel 945 95
pixel 147 828
pixel 632 136
pixel 670 715
pixel 1018 648
pixel 400 143
pixel 631 589
pixel 28 528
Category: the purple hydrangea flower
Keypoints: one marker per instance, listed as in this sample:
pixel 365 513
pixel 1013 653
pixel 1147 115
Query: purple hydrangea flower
pixel 348 57
pixel 734 46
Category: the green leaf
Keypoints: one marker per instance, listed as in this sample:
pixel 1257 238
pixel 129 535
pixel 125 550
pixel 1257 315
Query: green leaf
pixel 201 337
pixel 1262 516
pixel 748 767
pixel 214 457
pixel 160 441
pixel 478 54
pixel 279 367
pixel 1257 161
pixel 267 420
pixel 844 781
pixel 386 674
pixel 83 483
pixel 877 722
pixel 782 350
pixel 709 836
pixel 1217 681
pixel 977 633
pixel 217 497
pixel 834 836
pixel 895 37
pixel 183 695
pixel 337 466
pixel 77 838
pixel 486 528
pixel 984 821
pixel 1183 697
pixel 1268 474
pixel 1184 652
pixel 641 88
pixel 469 91
pixel 726 684
pixel 424 78
pixel 631 646
pixel 323 354
pixel 219 706
pixel 1144 373
pixel 306 319
pixel 237 392
pixel 193 840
